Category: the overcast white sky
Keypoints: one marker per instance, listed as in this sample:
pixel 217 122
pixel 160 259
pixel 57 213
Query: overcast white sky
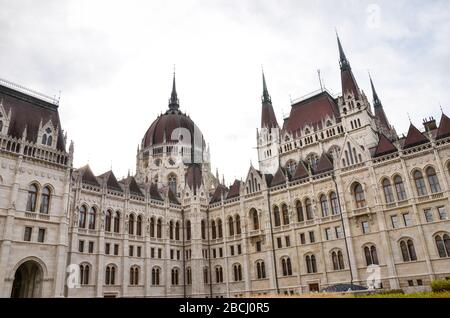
pixel 113 60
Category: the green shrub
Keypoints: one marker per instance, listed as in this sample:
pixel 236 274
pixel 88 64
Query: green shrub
pixel 440 285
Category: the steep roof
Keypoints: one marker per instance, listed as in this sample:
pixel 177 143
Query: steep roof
pixel 217 196
pixel 311 111
pixel 300 172
pixel 444 127
pixel 154 193
pixel 324 164
pixel 384 147
pixel 28 111
pixel 234 190
pixel 132 185
pixel 279 178
pixel 172 197
pixel 111 181
pixel 87 176
pixel 414 138
pixel 194 176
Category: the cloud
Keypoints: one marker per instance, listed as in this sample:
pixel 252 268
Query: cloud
pixel 113 60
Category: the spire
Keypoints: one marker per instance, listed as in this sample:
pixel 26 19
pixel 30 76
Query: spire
pixel 266 97
pixel 174 103
pixel 376 100
pixel 345 64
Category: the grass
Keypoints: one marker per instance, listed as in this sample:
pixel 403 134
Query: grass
pixel 414 295
pixel 349 295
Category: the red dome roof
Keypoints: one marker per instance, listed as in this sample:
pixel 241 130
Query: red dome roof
pixel 162 128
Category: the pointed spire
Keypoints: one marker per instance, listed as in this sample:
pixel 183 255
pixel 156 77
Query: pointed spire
pixel 343 61
pixel 174 103
pixel 376 100
pixel 266 97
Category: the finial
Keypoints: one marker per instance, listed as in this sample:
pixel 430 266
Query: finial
pixel 409 118
pixel 174 103
pixel 266 97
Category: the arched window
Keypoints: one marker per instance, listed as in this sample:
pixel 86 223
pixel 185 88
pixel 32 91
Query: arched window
pixel 219 228
pixel 174 276
pixel 400 188
pixel 311 265
pixel 203 225
pixel 260 270
pixel 131 224
pixel 237 272
pixel 177 231
pixel 285 212
pixel 213 230
pixel 159 229
pixel 84 274
pixel 134 275
pixel 117 222
pixel 338 260
pixel 420 183
pixel 171 230
pixel 238 224
pixel 291 166
pixel 358 192
pixel 443 245
pixel 173 183
pixel 335 209
pixel 299 208
pixel 312 160
pixel 139 225
pixel 341 260
pixel 44 139
pixel 32 197
pixel 108 218
pixel 45 200
pixel 219 274
pixel 230 226
pixel 155 276
pixel 82 217
pixel 286 266
pixel 188 276
pixel 205 275
pixel 255 219
pixel 370 252
pixel 324 205
pixel 309 211
pixel 49 140
pixel 276 216
pixel 188 230
pixel 433 180
pixel 91 218
pixel 408 251
pixel 152 227
pixel 110 275
pixel 387 189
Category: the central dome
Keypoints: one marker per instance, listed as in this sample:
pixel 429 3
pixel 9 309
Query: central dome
pixel 160 131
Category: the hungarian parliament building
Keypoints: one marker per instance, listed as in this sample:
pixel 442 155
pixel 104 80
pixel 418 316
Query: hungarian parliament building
pixel 338 198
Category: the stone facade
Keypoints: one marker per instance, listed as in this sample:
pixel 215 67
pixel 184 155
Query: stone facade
pixel 338 196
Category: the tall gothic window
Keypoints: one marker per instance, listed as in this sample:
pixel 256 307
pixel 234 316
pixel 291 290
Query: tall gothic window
pixel 387 189
pixel 284 210
pixel 311 265
pixel 335 209
pixel 82 217
pixel 155 276
pixel 91 218
pixel 84 274
pixel 324 205
pixel 134 275
pixel 338 260
pixel 286 266
pixel 108 219
pixel 291 166
pixel 260 270
pixel 309 211
pixel 237 271
pixel 238 224
pixel 230 226
pixel 276 216
pixel 203 225
pixel 408 251
pixel 219 228
pixel 177 231
pixel 299 208
pixel 152 227
pixel 159 229
pixel 219 274
pixel 45 200
pixel 400 188
pixel 131 224
pixel 420 183
pixel 370 252
pixel 443 245
pixel 32 198
pixel 175 276
pixel 255 219
pixel 173 183
pixel 117 222
pixel 110 275
pixel 188 230
pixel 171 230
pixel 358 192
pixel 433 180
pixel 139 225
pixel 213 230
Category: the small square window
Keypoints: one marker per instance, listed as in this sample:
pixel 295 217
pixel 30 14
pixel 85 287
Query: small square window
pixel 407 219
pixel 232 250
pixel 178 255
pixel 279 243
pixel 442 213
pixel 312 238
pixel 365 227
pixel 428 215
pixel 91 247
pixel 139 251
pixel 27 234
pixel 288 241
pixel 107 248
pixel 116 249
pixel 302 238
pixel 220 252
pixel 152 252
pixel 419 282
pixel 394 221
pixel 338 231
pixel 131 250
pixel 328 234
pixel 41 235
pixel 81 246
pixel 159 253
pixel 410 283
pixel 214 253
pixel 239 248
pixel 171 254
pixel 258 246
